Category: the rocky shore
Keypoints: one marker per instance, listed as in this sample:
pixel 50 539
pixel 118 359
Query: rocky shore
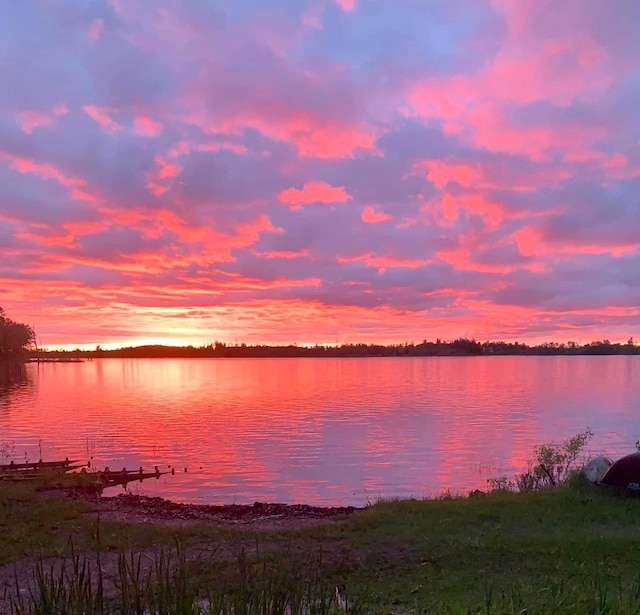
pixel 143 509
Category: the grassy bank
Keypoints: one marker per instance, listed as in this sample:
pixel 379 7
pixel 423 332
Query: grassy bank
pixel 574 549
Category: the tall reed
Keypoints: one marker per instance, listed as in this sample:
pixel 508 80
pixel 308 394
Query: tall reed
pixel 165 585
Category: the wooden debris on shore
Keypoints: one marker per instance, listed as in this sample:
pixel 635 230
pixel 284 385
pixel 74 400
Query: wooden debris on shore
pixel 39 470
pixel 112 478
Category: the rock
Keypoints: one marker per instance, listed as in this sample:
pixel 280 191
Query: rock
pixel 596 468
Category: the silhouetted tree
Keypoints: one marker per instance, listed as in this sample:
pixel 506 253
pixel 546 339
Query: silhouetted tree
pixel 15 337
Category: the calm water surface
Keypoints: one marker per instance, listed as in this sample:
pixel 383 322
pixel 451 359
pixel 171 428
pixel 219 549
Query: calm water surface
pixel 321 431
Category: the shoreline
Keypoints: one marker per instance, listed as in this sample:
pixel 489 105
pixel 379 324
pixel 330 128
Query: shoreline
pixel 142 509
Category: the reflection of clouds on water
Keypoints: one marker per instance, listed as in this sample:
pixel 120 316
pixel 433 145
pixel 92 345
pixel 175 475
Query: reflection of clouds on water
pixel 324 431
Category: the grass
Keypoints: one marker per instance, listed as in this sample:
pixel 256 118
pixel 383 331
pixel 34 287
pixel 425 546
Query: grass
pixel 573 549
pixel 43 523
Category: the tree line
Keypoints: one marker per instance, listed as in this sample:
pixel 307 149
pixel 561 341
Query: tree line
pixel 458 347
pixel 16 338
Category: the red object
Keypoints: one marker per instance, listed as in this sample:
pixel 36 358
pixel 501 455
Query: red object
pixel 623 472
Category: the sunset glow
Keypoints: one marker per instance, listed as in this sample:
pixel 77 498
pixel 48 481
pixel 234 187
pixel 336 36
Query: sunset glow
pixel 320 171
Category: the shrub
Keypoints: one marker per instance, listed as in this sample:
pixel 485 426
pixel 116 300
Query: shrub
pixel 553 465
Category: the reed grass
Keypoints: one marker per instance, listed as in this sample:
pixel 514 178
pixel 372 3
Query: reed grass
pixel 78 585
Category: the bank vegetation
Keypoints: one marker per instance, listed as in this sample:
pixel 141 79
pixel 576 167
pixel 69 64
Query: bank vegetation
pixel 16 339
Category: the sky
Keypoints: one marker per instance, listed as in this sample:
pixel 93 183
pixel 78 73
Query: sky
pixel 320 171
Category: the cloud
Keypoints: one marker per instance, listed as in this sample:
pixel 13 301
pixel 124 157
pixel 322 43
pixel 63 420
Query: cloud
pixel 346 5
pixel 371 216
pixel 358 170
pixel 147 127
pixel 30 119
pixel 314 192
pixel 101 116
pixel 95 29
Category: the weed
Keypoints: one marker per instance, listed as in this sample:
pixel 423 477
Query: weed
pixel 553 464
pixel 264 586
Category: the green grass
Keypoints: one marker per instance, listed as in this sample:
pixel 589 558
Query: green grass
pixel 576 542
pixel 36 523
pixel 30 522
pixel 574 549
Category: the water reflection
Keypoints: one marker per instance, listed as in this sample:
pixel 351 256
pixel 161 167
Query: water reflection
pixel 329 431
pixel 12 376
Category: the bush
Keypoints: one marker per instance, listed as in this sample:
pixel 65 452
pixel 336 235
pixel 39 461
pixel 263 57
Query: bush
pixel 553 465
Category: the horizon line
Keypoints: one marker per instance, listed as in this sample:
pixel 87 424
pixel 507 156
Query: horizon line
pixel 101 347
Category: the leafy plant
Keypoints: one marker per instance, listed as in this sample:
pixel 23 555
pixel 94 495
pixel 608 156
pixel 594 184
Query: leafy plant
pixel 554 463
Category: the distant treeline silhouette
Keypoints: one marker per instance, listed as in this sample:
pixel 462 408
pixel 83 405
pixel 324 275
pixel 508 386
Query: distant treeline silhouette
pixel 458 347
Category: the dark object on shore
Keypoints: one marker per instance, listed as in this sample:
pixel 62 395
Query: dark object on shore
pixel 596 468
pixel 112 478
pixel 96 481
pixel 624 473
pixel 37 466
pixel 38 473
pixel 39 470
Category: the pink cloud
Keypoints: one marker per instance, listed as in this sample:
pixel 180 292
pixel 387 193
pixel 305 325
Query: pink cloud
pixel 441 173
pixel 314 192
pixel 346 5
pixel 496 132
pixel 331 140
pixel 101 116
pixel 532 65
pixel 617 161
pixel 318 111
pixel 533 241
pixel 450 206
pixel 29 119
pixel 95 29
pixel 284 254
pixel 247 234
pixel 46 171
pixel 146 127
pixel 382 262
pixel 312 137
pixel 371 216
pixel 159 181
pixel 482 176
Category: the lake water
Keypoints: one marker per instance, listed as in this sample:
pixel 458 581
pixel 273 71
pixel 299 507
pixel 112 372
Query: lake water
pixel 319 431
